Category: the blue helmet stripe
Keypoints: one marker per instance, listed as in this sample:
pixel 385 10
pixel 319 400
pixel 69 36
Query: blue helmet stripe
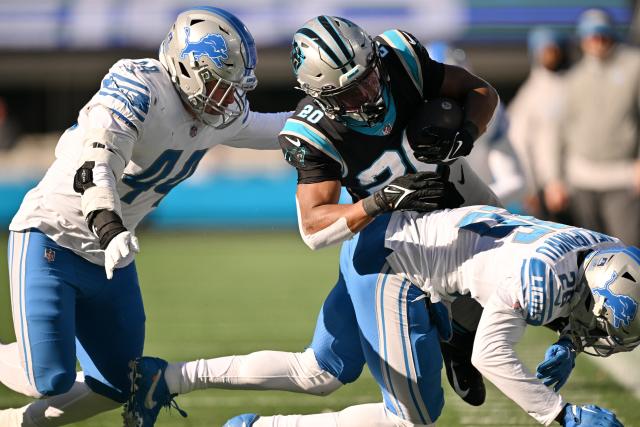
pixel 633 252
pixel 246 37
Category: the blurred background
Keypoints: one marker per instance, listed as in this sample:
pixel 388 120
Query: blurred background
pixel 53 54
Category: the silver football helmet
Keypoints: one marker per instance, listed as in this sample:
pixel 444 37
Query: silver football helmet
pixel 604 309
pixel 337 63
pixel 211 56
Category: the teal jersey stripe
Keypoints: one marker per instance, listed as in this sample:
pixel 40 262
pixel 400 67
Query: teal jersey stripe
pixel 302 130
pixel 407 53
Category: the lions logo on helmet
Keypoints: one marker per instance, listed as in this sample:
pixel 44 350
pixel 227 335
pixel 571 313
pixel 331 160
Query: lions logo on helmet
pixel 604 316
pixel 623 308
pixel 211 45
pixel 211 56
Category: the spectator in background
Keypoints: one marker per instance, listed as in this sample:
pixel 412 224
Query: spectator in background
pixel 600 131
pixel 533 123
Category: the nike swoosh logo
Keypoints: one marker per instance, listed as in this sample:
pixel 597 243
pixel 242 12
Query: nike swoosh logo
pixel 149 403
pixel 461 180
pixel 392 191
pixel 456 387
pixel 454 153
pixel 293 141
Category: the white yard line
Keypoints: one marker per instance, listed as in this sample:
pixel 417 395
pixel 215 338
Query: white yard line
pixel 624 367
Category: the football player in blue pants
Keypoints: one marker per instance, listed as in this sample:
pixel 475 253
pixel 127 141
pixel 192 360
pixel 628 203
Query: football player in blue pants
pixel 548 272
pixel 388 310
pixel 74 286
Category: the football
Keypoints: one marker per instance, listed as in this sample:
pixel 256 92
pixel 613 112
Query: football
pixel 438 114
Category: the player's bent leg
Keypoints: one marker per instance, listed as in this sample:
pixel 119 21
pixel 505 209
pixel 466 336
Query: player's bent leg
pixel 78 404
pixel 336 339
pixel 110 328
pixel 262 370
pixel 400 343
pixel 402 349
pixel 366 415
pixel 43 307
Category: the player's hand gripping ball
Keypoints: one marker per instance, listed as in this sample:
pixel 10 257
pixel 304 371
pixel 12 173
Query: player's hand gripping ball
pixel 437 132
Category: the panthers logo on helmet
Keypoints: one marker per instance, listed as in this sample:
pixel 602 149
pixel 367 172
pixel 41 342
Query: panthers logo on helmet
pixel 297 57
pixel 623 308
pixel 211 45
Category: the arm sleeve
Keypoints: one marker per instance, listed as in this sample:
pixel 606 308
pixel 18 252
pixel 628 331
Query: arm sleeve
pixel 259 131
pixel 312 164
pixel 501 327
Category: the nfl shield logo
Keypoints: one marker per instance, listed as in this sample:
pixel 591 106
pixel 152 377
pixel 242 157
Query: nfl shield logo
pixel 193 131
pixel 49 255
pixel 387 129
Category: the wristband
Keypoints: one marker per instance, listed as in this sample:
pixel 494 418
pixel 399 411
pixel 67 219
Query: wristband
pixel 371 207
pixel 106 225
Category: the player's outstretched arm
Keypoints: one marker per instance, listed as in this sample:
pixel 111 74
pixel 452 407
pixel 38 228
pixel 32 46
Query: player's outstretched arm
pixel 260 131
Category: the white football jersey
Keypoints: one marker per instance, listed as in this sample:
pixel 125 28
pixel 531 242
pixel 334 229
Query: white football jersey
pixel 139 109
pixel 522 270
pixel 477 250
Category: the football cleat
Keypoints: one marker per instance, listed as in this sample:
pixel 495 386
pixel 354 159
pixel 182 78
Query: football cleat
pixel 243 420
pixel 149 393
pixel 466 381
pixel 463 377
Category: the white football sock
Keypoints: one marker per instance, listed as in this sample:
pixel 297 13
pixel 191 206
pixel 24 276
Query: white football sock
pixel 367 415
pixel 263 370
pixel 77 404
pixel 12 373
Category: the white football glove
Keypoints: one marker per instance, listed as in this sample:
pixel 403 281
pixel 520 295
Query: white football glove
pixel 120 251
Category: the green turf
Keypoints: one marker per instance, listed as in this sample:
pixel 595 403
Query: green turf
pixel 213 294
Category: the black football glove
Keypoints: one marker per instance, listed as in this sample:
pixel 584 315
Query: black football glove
pixel 422 191
pixel 440 145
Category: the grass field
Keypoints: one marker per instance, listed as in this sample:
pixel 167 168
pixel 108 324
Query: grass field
pixel 214 294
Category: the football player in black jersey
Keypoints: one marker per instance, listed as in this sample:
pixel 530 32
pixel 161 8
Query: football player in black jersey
pixel 349 131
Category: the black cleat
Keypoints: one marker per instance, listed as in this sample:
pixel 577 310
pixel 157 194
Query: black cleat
pixel 466 381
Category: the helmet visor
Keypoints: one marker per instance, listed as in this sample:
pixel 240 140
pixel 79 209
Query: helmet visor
pixel 366 90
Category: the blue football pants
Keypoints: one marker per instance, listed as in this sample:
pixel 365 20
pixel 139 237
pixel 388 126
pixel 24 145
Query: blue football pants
pixel 65 309
pixel 375 316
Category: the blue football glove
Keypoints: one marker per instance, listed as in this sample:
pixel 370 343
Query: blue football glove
pixel 559 360
pixel 440 317
pixel 589 416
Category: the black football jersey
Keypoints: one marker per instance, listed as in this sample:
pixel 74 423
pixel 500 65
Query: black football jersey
pixel 364 159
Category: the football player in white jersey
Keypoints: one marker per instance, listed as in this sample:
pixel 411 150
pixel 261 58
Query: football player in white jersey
pixel 74 287
pixel 523 271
